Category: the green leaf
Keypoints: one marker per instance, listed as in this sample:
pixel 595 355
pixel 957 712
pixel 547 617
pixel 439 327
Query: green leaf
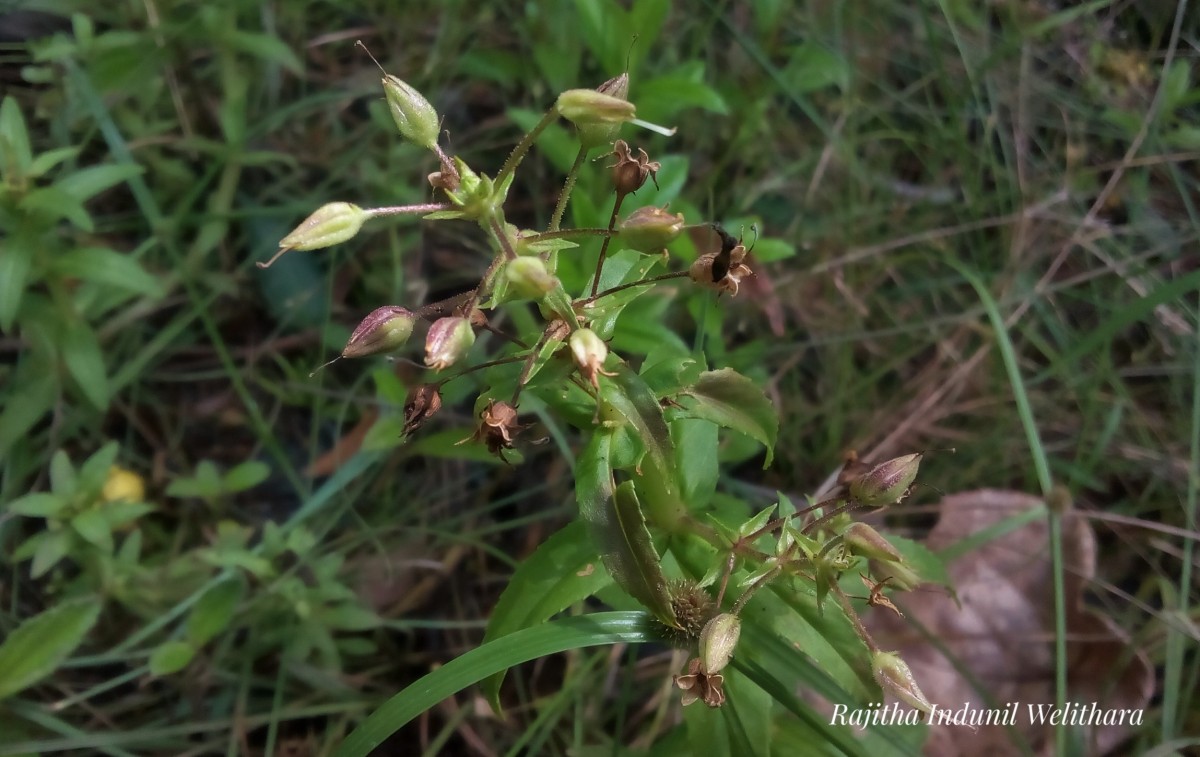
pixel 109 268
pixel 347 617
pixel 45 161
pixel 491 658
pixel 927 564
pixel 637 404
pixel 205 484
pixel 246 475
pixel 37 646
pixel 265 46
pixel 94 471
pixel 732 400
pixel 93 527
pixel 85 363
pixel 14 138
pixel 86 183
pixel 696 460
pixel 615 522
pixel 214 611
pixel 63 478
pixel 27 403
pixel 52 204
pixel 16 255
pixel 171 657
pixel 39 505
pixel 564 570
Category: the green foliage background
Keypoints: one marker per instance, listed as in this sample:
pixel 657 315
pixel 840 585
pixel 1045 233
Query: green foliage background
pixel 878 146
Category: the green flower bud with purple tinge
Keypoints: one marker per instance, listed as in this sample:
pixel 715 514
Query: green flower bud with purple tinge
pixel 415 118
pixel 448 341
pixel 383 330
pixel 886 483
pixel 866 541
pixel 650 229
pixel 594 135
pixel 896 679
pixel 332 223
pixel 589 107
pixel 717 642
pixel 529 277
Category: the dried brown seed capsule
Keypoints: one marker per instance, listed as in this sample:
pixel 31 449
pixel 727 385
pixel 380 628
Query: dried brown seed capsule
pixel 424 401
pixel 383 330
pixel 721 271
pixel 629 173
pixel 498 427
pixel 700 686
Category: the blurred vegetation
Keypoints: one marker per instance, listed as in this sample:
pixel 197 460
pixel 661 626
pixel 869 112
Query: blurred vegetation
pixel 227 555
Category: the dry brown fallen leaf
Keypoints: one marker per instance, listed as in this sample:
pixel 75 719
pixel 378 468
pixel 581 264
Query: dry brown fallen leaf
pixel 1003 633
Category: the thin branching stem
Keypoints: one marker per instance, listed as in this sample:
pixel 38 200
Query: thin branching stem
pixel 855 621
pixel 565 196
pixel 612 221
pixel 568 233
pixel 519 152
pixel 480 367
pixel 642 282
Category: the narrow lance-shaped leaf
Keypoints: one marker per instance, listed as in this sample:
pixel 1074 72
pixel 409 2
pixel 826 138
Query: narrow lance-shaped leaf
pixel 729 399
pixel 638 405
pixel 618 528
pixel 37 646
pixel 564 570
pixel 489 659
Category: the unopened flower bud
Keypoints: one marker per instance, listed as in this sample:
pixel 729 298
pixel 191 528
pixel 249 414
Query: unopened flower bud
pixel 594 135
pixel 414 116
pixel 896 679
pixel 886 483
pixel 383 330
pixel 590 352
pixel 448 340
pixel 332 223
pixel 866 541
pixel 717 642
pixel 588 107
pixel 897 573
pixel 422 404
pixel 650 229
pixel 529 277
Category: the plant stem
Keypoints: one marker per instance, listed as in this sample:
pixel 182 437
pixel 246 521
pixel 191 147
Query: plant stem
pixel 396 210
pixel 565 195
pixel 568 233
pixel 447 164
pixel 480 367
pixel 651 280
pixel 763 580
pixel 612 221
pixel 855 621
pixel 518 153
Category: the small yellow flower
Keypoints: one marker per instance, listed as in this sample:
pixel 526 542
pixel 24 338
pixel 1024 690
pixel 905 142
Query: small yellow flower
pixel 123 485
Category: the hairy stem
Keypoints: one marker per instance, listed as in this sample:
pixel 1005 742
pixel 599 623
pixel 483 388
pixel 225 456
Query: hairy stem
pixel 855 621
pixel 519 152
pixel 568 233
pixel 565 195
pixel 395 210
